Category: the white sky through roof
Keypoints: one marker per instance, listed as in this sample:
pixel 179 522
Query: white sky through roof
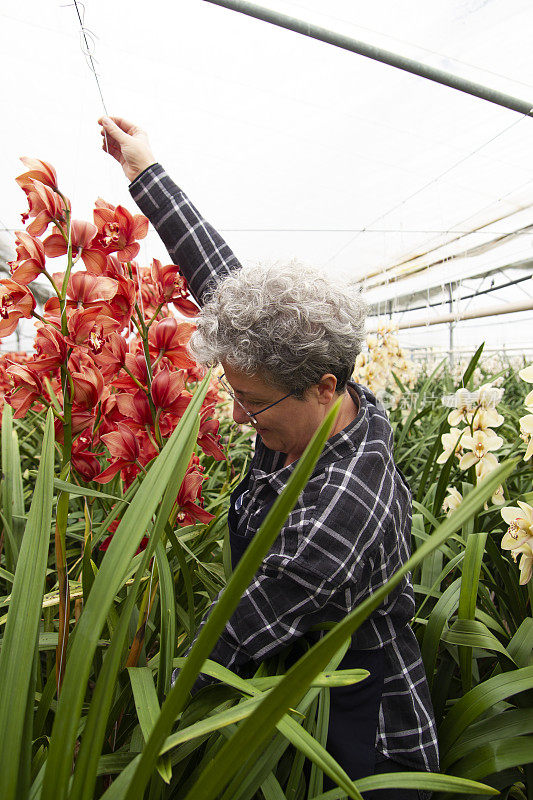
pixel 291 147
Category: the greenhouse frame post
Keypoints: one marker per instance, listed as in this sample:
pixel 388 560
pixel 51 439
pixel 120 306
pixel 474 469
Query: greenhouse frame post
pixel 376 54
pixel 450 295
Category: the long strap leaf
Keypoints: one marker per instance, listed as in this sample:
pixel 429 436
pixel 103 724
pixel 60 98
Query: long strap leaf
pixel 481 698
pixel 147 707
pixel 134 523
pixel 227 603
pixel 22 624
pixel 423 781
pixel 257 729
pixel 95 726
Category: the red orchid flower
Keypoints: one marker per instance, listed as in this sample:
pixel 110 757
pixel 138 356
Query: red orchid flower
pixel 51 349
pixel 172 287
pixel 88 327
pixel 82 236
pixel 169 338
pixel 43 203
pixel 189 493
pixel 136 364
pixel 85 463
pixel 150 294
pixel 109 415
pixel 112 356
pixel 125 451
pixel 28 389
pixel 169 392
pixel 123 302
pixel 83 290
pixel 88 386
pixel 119 230
pixel 197 373
pixel 30 261
pixel 113 268
pixel 136 408
pixel 16 301
pixel 7 360
pixel 208 438
pixel 38 171
pixel 81 420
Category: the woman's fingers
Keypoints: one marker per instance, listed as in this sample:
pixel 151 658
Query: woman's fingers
pixel 110 146
pixel 125 125
pixel 114 130
pixel 127 143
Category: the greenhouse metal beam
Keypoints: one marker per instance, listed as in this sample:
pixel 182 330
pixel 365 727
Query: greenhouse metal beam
pixel 440 288
pixel 511 308
pixel 376 54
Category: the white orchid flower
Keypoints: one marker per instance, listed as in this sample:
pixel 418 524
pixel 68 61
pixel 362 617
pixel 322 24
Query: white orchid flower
pixel 519 537
pixel 450 441
pixel 485 418
pixel 488 463
pixel 489 396
pixel 480 444
pixel 498 497
pixel 452 500
pixel 526 433
pixel 462 405
pixel 527 374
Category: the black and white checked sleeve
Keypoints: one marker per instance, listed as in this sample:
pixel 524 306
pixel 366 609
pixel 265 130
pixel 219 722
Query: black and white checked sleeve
pixel 193 244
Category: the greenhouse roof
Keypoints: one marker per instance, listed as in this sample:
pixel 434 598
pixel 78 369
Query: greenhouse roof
pixel 293 148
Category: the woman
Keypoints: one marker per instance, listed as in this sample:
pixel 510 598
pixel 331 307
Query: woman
pixel 287 338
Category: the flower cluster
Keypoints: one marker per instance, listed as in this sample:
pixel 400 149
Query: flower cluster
pixel 471 436
pixel 519 537
pixel 384 357
pixel 110 358
pixel 6 382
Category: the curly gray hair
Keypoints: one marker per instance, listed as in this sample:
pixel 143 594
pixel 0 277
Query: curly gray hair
pixel 290 324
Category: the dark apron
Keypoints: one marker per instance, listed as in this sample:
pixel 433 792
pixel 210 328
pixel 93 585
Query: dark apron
pixel 354 710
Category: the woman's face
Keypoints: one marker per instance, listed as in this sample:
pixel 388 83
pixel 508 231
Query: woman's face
pixel 287 427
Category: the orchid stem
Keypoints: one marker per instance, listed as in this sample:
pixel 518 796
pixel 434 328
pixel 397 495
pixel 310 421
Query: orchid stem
pixel 45 321
pixel 152 440
pixel 134 379
pixel 160 306
pixel 52 281
pixel 66 277
pixel 60 533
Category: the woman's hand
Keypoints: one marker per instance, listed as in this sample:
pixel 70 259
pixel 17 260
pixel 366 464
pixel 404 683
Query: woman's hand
pixel 128 144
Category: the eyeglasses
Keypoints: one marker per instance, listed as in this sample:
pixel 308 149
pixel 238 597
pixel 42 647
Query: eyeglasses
pixel 229 390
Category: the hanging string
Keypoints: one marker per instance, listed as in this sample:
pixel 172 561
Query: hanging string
pixel 88 44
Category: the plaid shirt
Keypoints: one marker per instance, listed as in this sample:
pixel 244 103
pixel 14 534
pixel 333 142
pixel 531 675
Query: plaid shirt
pixel 346 536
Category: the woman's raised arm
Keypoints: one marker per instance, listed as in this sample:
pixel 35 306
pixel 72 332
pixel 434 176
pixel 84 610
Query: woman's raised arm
pixel 200 251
